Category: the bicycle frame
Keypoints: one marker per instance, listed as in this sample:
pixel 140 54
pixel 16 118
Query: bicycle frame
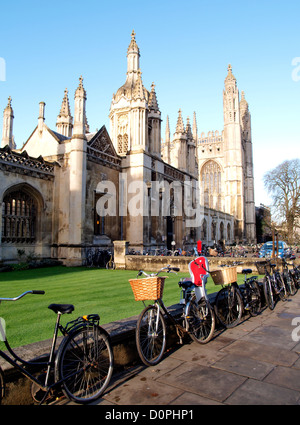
pixel 67 330
pixel 159 304
pixel 14 359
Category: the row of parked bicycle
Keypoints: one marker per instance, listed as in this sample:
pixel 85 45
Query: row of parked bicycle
pixel 198 317
pixel 82 366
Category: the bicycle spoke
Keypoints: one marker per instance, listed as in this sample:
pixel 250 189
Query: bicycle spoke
pixel 150 336
pixel 85 364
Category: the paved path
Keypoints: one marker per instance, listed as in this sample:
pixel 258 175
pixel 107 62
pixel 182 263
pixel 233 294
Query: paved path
pixel 254 363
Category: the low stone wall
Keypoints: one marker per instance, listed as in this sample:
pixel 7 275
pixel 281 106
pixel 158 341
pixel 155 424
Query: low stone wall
pixel 154 263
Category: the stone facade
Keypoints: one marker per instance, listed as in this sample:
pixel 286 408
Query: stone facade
pixel 69 190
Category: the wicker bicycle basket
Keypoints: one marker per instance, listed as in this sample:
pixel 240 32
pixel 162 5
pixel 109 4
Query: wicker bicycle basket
pixel 224 276
pixel 149 288
pixel 262 265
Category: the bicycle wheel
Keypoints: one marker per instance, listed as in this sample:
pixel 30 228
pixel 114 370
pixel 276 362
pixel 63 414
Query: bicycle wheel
pixel 151 336
pixel 268 292
pixel 290 283
pixel 282 290
pixel 229 306
pixel 84 363
pixel 200 320
pixel 254 298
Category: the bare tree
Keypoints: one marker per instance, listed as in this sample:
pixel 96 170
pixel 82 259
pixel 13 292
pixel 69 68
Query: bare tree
pixel 283 184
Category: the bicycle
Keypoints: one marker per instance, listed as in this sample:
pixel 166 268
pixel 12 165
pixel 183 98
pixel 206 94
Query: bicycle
pixel 197 319
pixel 110 265
pixel 250 293
pixel 229 301
pixel 295 272
pixel 82 366
pixel 273 285
pixel 288 277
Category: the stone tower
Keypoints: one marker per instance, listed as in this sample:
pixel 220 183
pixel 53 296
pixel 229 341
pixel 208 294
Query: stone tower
pixel 77 170
pixel 64 123
pixel 154 124
pixel 233 154
pixel 129 108
pixel 178 153
pixel 7 135
pixel 250 226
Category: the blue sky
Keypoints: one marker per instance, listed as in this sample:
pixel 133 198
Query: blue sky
pixel 185 50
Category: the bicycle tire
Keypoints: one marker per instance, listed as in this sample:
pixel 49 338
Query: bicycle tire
pixel 255 299
pixel 268 292
pixel 150 342
pixel 297 276
pixel 229 306
pixel 84 363
pixel 290 283
pixel 201 321
pixel 282 288
pixel 2 385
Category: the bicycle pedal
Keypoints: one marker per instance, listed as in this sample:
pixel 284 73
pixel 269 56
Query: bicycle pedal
pixel 247 307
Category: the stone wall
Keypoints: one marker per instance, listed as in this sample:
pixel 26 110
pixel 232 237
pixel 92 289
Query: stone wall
pixel 154 263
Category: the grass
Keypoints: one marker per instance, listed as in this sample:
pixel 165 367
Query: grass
pixel 106 292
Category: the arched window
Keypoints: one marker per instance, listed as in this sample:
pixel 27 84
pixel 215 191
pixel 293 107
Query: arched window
pixel 221 231
pixel 122 144
pixel 211 184
pixel 228 232
pixel 19 212
pixel 204 230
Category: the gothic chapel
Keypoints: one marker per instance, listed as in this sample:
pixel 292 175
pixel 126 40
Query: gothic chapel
pixel 51 187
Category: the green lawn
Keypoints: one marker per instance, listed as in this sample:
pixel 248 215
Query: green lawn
pixel 106 292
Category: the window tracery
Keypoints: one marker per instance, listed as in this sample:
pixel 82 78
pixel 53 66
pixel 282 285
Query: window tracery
pixel 19 211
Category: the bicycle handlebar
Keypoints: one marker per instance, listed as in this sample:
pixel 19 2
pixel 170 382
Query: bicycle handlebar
pixel 168 269
pixel 22 295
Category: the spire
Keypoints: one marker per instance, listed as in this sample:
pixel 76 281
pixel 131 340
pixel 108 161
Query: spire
pixel 167 130
pixel 79 110
pixel 179 125
pixel 133 55
pixel 64 122
pixel 243 103
pixel 188 129
pixel 65 106
pixel 7 135
pixel 138 92
pixel 80 92
pixel 230 79
pixel 133 47
pixel 195 130
pixel 152 99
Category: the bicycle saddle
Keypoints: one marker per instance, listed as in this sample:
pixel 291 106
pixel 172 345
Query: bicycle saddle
pixel 61 308
pixel 246 271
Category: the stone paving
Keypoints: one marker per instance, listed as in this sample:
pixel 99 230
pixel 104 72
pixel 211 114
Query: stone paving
pixel 255 363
